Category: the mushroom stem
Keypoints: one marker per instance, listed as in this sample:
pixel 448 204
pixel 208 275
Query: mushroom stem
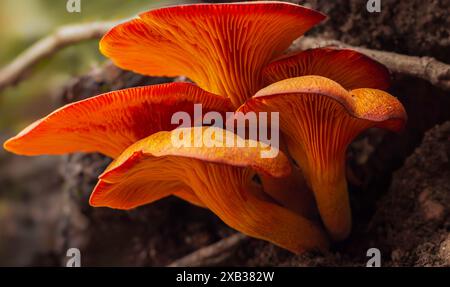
pixel 333 202
pixel 292 192
pixel 244 207
pixel 329 185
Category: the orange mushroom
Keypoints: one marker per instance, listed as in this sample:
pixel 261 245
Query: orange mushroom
pixel 349 68
pixel 111 122
pixel 221 47
pixel 292 191
pixel 319 118
pixel 219 175
pixel 229 51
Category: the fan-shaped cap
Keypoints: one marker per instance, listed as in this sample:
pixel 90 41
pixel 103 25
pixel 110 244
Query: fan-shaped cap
pixel 221 47
pixel 111 122
pixel 220 176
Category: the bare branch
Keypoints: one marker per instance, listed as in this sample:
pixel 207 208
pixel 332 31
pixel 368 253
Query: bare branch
pixel 64 36
pixel 426 68
pixel 212 254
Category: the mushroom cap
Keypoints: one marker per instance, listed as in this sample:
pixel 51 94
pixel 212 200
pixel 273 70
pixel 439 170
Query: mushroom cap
pixel 221 47
pixel 220 177
pixel 319 118
pixel 379 107
pixel 146 166
pixel 161 144
pixel 349 68
pixel 110 122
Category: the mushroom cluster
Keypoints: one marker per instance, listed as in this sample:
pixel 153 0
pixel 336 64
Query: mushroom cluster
pixel 236 56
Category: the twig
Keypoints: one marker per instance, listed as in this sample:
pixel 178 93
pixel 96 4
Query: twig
pixel 426 68
pixel 62 37
pixel 212 254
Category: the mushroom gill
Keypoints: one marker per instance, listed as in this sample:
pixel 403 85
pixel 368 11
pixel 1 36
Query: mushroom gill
pixel 110 122
pixel 349 68
pixel 220 176
pixel 221 47
pixel 319 119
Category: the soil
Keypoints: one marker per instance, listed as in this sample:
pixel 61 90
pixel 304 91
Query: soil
pixel 414 27
pixel 411 225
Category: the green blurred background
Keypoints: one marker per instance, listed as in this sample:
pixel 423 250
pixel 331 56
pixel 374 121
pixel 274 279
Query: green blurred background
pixel 23 22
